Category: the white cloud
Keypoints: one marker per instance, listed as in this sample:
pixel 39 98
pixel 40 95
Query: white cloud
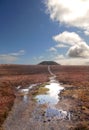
pixel 58 57
pixel 61 46
pixel 78 47
pixel 87 62
pixel 72 61
pixel 38 59
pixel 80 50
pixel 70 38
pixel 11 57
pixel 21 52
pixel 70 12
pixel 63 60
pixel 7 58
pixel 86 33
pixel 52 49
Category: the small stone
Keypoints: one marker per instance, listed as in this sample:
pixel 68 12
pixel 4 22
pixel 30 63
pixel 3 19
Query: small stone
pixel 44 121
pixel 49 120
pixel 43 114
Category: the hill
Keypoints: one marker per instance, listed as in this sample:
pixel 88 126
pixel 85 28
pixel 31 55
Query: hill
pixel 48 63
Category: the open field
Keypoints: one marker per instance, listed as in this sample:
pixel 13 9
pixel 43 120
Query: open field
pixel 11 76
pixel 75 79
pixel 76 82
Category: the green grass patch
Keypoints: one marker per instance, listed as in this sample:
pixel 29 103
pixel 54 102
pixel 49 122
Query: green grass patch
pixel 40 90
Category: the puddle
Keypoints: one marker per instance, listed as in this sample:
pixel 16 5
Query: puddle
pixel 23 93
pixel 57 114
pixel 51 98
pixel 51 112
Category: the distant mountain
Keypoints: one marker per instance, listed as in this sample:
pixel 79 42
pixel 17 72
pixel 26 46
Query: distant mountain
pixel 48 63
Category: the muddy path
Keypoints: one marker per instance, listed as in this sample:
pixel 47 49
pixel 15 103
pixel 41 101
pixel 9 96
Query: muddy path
pixel 41 111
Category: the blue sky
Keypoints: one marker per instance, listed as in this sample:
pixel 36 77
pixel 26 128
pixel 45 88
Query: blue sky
pixel 34 30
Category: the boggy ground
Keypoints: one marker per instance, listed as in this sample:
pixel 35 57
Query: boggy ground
pixel 76 94
pixel 75 97
pixel 13 75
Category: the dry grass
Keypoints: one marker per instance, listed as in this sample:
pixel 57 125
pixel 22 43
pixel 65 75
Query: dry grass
pixel 13 75
pixel 40 90
pixel 76 80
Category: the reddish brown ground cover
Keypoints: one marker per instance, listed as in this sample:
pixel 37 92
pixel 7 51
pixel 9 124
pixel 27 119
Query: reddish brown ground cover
pixel 76 82
pixel 74 78
pixel 13 75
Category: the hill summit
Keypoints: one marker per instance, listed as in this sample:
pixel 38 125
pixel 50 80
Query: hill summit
pixel 48 63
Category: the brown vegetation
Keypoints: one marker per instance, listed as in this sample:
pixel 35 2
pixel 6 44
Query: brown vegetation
pixel 76 80
pixel 13 75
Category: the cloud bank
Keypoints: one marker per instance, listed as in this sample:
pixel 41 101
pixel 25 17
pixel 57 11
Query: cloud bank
pixel 11 57
pixel 78 47
pixel 69 12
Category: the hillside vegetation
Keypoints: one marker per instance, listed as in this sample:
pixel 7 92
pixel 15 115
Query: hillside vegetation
pixel 48 63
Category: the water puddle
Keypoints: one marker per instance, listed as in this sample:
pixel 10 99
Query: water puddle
pixel 51 98
pixel 52 95
pixel 24 92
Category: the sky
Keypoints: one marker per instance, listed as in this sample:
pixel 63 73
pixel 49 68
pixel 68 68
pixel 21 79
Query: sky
pixel 32 31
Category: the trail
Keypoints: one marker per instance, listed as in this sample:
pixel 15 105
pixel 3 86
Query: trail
pixel 49 70
pixel 28 114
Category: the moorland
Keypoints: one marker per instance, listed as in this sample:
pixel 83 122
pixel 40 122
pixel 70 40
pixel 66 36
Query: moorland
pixel 75 96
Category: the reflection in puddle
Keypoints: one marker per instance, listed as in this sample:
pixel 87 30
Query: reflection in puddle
pixel 51 98
pixel 24 92
pixel 52 95
pixel 25 98
pixel 55 113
